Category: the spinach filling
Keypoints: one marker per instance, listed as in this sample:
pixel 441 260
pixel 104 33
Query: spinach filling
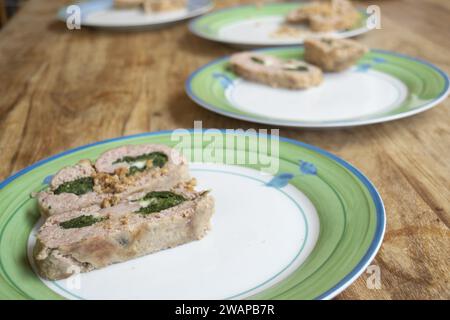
pixel 79 186
pixel 81 222
pixel 157 201
pixel 300 67
pixel 295 65
pixel 134 169
pixel 258 60
pixel 158 159
pixel 327 41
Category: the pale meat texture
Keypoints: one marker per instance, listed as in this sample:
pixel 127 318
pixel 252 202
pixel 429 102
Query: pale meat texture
pixel 324 16
pixel 123 234
pixel 333 55
pixel 275 72
pixel 163 5
pixel 111 179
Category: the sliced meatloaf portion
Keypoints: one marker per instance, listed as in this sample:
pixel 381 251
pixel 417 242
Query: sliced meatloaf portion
pixel 50 203
pixel 324 16
pixel 138 156
pixel 92 238
pixel 303 13
pixel 151 6
pixel 70 188
pixel 143 167
pixel 127 3
pixel 275 72
pixel 82 169
pixel 117 174
pixel 333 55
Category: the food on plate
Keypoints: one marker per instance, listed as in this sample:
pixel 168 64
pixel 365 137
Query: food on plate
pixel 95 237
pixel 289 31
pixel 152 6
pixel 303 13
pixel 117 174
pixel 275 72
pixel 163 5
pixel 325 15
pixel 333 54
pixel 127 3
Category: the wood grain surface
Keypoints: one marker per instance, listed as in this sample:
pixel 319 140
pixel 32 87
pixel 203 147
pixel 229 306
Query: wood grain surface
pixel 61 89
pixel 3 17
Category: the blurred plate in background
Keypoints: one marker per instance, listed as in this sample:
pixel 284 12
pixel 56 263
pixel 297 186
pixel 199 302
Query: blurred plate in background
pixel 382 86
pixel 102 14
pixel 253 25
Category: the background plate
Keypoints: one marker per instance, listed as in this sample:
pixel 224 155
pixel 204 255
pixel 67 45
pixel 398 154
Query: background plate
pixel 102 14
pixel 253 25
pixel 382 86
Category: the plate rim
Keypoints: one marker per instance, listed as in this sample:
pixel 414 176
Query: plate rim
pixel 61 16
pixel 380 212
pixel 192 28
pixel 332 124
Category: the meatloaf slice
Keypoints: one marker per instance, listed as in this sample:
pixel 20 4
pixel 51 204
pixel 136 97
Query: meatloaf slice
pixel 50 203
pixel 333 55
pixel 324 16
pixel 303 13
pixel 93 238
pixel 137 156
pixel 343 17
pixel 117 174
pixel 70 188
pixel 163 5
pixel 275 72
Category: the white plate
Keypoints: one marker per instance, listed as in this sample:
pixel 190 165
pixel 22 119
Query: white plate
pixel 102 14
pixel 342 96
pixel 264 242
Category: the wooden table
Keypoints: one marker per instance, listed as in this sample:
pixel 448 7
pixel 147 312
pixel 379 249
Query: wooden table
pixel 61 89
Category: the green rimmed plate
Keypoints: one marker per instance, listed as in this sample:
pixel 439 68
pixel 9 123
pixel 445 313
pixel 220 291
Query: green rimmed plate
pixel 258 25
pixel 382 86
pixel 305 231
